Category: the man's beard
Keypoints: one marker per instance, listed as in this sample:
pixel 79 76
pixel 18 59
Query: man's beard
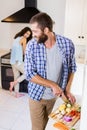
pixel 43 38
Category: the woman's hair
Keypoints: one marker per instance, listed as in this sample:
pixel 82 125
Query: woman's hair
pixel 43 20
pixel 22 32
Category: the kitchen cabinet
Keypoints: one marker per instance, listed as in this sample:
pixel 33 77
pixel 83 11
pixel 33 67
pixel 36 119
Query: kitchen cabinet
pixel 83 124
pixel 76 21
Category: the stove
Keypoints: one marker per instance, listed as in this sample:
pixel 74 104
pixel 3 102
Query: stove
pixel 7 74
pixel 5 59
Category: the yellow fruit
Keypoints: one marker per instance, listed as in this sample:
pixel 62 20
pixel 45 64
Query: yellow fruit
pixel 68 109
pixel 62 107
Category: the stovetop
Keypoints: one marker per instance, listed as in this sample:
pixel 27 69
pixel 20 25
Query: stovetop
pixel 5 59
pixel 6 56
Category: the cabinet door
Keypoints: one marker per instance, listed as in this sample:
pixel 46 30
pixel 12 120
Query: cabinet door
pixel 84 27
pixel 74 20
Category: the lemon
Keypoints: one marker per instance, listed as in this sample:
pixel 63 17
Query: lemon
pixel 62 107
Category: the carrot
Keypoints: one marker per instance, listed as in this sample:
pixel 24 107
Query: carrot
pixel 60 126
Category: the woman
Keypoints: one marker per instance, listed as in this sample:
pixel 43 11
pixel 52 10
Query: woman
pixel 17 53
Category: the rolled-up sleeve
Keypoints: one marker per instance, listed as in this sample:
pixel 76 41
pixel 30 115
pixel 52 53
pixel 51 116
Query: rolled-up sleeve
pixel 29 65
pixel 72 63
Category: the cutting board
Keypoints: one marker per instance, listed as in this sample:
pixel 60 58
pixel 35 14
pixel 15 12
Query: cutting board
pixel 73 115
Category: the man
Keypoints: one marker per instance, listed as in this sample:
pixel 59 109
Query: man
pixel 49 68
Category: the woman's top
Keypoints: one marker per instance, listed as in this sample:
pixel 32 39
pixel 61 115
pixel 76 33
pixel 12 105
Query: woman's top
pixel 16 52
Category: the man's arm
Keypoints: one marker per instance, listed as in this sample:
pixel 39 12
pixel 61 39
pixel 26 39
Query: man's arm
pixel 47 83
pixel 70 80
pixel 68 88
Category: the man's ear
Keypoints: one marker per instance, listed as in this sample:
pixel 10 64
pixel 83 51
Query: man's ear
pixel 46 30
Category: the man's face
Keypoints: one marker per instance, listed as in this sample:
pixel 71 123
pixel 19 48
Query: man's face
pixel 38 34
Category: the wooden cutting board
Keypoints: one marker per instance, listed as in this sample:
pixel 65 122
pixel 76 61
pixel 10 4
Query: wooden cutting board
pixel 74 114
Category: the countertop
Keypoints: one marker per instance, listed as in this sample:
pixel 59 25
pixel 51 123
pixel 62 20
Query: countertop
pixel 4 51
pixel 57 103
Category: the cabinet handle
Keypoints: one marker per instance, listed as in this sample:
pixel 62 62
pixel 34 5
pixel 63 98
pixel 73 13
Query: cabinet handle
pixel 79 36
pixel 82 37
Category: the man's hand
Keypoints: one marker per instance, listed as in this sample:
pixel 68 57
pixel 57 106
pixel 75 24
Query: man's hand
pixel 70 97
pixel 57 90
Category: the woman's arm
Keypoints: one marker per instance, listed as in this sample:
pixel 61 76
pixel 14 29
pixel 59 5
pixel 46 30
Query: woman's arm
pixel 23 43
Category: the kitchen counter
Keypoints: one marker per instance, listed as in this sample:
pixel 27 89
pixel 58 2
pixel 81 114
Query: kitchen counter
pixel 58 103
pixel 3 52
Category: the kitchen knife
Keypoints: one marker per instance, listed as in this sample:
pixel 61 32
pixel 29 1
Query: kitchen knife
pixel 64 98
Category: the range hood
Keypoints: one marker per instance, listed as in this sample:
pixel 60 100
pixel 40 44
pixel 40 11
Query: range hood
pixel 25 14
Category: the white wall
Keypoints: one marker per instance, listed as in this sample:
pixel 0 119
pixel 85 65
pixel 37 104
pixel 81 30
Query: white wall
pixel 6 29
pixel 56 9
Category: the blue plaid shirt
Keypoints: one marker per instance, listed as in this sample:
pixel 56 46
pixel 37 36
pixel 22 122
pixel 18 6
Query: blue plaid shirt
pixel 35 63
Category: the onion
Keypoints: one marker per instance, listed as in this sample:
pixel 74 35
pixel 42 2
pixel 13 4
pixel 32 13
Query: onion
pixel 67 118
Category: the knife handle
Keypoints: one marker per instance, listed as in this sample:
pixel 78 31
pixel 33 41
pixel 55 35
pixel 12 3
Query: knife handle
pixel 64 98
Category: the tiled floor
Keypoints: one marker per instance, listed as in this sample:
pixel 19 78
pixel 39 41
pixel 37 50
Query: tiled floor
pixel 14 112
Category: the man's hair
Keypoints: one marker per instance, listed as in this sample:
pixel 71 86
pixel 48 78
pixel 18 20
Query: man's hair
pixel 43 20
